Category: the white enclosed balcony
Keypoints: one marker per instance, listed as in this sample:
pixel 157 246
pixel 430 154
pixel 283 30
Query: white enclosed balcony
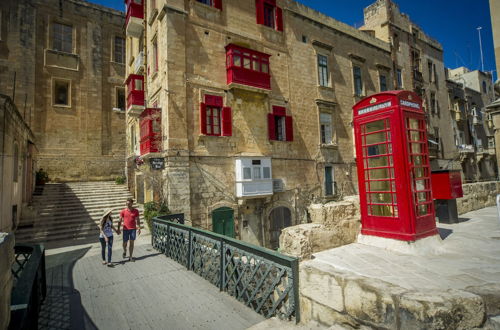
pixel 253 177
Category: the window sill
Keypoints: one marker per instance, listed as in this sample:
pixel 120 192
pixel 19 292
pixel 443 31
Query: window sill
pixel 329 145
pixel 327 88
pixel 61 106
pixel 117 63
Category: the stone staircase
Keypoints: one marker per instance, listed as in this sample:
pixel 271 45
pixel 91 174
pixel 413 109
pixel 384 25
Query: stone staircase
pixel 71 211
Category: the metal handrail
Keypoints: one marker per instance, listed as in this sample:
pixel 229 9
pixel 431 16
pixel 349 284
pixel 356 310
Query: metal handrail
pixel 30 287
pixel 264 280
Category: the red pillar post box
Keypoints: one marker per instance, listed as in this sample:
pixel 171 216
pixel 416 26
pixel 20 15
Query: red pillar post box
pixel 446 188
pixel 394 174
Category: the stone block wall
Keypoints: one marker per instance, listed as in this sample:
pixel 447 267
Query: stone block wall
pixel 333 224
pixel 478 195
pixel 6 280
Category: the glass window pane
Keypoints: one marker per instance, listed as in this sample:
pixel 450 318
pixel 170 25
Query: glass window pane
pixel 413 123
pixel 379 185
pixel 376 138
pixel 379 149
pixel 375 126
pixel 416 148
pixel 266 172
pixel 237 60
pixel 255 65
pixel 265 67
pixel 378 161
pixel 246 62
pixel 382 210
pixel 256 173
pixel 381 198
pixel 247 173
pixel 414 136
pixel 381 173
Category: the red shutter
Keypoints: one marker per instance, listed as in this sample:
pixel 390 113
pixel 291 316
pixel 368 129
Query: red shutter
pixel 279 19
pixel 279 111
pixel 271 128
pixel 215 101
pixel 227 125
pixel 218 4
pixel 203 118
pixel 289 128
pixel 259 4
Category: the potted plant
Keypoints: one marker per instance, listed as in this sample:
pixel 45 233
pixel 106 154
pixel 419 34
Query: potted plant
pixel 41 177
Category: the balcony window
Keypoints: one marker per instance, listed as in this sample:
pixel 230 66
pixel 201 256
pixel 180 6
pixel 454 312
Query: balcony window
pixel 134 18
pixel 150 124
pixel 135 93
pixel 120 98
pixel 253 177
pixel 280 125
pixel 247 67
pixel 215 119
pixel 62 38
pixel 326 128
pixel 268 14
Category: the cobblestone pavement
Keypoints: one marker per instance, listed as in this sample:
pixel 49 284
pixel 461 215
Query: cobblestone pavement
pixel 153 292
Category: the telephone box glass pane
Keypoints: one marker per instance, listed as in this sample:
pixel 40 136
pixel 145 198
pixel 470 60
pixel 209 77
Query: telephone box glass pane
pixel 379 171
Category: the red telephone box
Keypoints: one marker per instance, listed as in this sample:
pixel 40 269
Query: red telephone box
pixel 394 175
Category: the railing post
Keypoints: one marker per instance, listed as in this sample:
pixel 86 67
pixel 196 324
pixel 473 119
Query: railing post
pixel 152 232
pixel 190 246
pixel 222 261
pixel 167 252
pixel 296 295
pixel 498 206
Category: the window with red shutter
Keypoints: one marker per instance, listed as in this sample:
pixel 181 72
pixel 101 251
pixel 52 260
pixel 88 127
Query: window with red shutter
pixel 280 125
pixel 215 119
pixel 213 3
pixel 269 14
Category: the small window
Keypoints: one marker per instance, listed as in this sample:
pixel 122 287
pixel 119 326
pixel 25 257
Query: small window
pixel 433 103
pixel 269 15
pixel 138 84
pixel 431 72
pixel 326 128
pixel 247 173
pixel 206 2
pixel 212 3
pixel 358 81
pixel 383 83
pixel 120 98
pixel 304 39
pixel 213 120
pixel 266 172
pixel 485 89
pixel 133 140
pixel 61 92
pixel 62 39
pixel 119 50
pixel 328 181
pixel 323 70
pixel 399 77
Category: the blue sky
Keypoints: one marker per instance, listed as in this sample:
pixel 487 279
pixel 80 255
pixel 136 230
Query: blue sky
pixel 453 23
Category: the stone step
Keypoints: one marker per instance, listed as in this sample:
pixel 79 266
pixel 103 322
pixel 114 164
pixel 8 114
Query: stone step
pixel 95 215
pixel 83 238
pixel 57 230
pixel 70 193
pixel 78 204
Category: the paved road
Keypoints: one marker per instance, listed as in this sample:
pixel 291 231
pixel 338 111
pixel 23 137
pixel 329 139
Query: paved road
pixel 153 292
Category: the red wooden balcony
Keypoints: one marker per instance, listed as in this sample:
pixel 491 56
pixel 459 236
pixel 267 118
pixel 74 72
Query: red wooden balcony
pixel 247 67
pixel 134 18
pixel 135 96
pixel 150 124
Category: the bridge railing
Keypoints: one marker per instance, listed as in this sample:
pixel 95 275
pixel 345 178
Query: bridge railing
pixel 264 280
pixel 30 286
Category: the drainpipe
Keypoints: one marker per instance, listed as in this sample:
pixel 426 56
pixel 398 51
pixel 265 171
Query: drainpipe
pixel 2 108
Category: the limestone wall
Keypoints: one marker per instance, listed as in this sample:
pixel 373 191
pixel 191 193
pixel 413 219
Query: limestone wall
pixel 478 195
pixel 6 280
pixel 333 224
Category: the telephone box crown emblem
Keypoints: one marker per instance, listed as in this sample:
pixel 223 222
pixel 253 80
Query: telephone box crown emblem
pixel 410 97
pixel 373 100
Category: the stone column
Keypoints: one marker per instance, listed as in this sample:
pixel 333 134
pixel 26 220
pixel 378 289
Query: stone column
pixel 6 279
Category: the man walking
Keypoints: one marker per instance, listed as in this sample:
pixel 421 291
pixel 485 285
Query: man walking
pixel 131 224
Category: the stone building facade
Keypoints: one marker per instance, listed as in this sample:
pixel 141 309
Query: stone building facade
pixel 253 100
pixel 417 61
pixel 64 64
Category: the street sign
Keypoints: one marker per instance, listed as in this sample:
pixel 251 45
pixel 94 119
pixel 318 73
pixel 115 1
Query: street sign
pixel 157 163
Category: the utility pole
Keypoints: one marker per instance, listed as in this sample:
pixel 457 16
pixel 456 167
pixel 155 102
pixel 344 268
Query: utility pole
pixel 481 48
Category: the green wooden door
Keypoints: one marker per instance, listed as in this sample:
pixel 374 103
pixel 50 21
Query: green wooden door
pixel 223 221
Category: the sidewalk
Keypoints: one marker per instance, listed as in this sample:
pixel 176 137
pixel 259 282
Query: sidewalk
pixel 457 286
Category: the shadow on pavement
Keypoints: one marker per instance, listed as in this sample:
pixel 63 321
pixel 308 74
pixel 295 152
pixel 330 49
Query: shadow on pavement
pixel 63 308
pixel 444 232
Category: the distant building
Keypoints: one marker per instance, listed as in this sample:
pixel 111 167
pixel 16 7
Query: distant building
pixel 63 62
pixel 418 63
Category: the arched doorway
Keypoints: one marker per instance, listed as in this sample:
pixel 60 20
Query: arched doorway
pixel 280 218
pixel 223 221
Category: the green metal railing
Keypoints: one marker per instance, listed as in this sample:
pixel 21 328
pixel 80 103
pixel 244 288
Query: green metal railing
pixel 264 280
pixel 30 287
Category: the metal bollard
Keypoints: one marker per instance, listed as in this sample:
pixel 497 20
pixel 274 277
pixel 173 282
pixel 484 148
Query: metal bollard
pixel 498 206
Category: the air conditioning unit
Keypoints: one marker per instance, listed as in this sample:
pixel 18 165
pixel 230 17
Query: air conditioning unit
pixel 278 185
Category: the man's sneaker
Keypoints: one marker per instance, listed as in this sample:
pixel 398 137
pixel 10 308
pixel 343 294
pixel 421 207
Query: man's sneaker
pixel 124 255
pixel 131 259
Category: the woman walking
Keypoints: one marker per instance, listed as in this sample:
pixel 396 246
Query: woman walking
pixel 106 236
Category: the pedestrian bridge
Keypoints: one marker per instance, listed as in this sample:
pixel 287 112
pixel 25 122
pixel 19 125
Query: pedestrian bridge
pixel 160 292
